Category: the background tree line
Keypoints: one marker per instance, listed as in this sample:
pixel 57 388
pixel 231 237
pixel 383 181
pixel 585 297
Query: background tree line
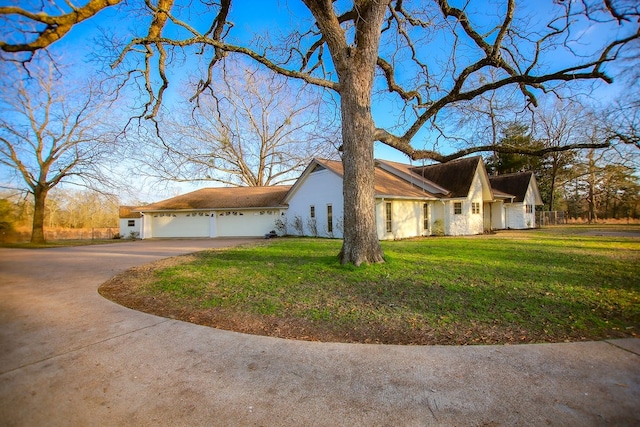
pixel 65 208
pixel 588 184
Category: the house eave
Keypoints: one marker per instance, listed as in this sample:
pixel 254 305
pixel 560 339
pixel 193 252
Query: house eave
pixel 391 196
pixel 250 208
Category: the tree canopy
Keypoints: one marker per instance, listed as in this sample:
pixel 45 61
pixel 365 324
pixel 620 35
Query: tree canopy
pixel 394 66
pixel 49 135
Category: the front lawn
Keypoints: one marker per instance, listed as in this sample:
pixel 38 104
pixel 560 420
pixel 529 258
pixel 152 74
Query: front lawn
pixel 513 287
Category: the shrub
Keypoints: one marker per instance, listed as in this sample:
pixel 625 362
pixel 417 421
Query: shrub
pixel 298 225
pixel 438 228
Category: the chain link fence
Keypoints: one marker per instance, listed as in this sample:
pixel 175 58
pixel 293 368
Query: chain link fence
pixel 551 218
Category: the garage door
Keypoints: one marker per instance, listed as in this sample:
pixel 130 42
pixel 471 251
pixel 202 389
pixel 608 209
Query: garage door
pixel 181 225
pixel 245 223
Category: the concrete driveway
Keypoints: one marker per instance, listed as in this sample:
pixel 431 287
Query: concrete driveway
pixel 69 357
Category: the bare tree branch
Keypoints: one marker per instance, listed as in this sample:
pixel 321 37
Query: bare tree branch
pixel 55 28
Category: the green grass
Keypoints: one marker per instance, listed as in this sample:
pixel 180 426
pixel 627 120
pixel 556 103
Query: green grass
pixel 535 286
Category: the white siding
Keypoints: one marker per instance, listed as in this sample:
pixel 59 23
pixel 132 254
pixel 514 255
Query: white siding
pixel 514 213
pixel 246 223
pixel 238 223
pixel 517 216
pixel 467 222
pixel 319 189
pixel 530 199
pixel 407 219
pixel 126 229
pixel 458 224
pixel 494 215
pixel 190 224
pixel 438 218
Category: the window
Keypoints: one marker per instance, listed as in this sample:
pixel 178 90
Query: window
pixel 457 208
pixel 329 219
pixel 312 212
pixel 529 209
pixel 131 223
pixel 388 217
pixel 475 207
pixel 425 216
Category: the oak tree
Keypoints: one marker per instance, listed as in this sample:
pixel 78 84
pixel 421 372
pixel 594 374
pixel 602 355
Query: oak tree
pixel 50 135
pixel 426 56
pixel 253 128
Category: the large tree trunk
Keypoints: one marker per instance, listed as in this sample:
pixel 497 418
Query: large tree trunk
pixel 361 243
pixel 355 63
pixel 37 229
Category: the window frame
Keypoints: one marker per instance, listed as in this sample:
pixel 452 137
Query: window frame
pixel 425 216
pixel 329 219
pixel 457 208
pixel 388 217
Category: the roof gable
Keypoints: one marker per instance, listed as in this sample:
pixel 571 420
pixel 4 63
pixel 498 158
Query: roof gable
pixel 456 175
pixel 316 165
pixel 223 198
pixel 516 184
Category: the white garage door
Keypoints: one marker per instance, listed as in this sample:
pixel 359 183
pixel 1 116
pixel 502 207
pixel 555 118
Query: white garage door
pixel 181 225
pixel 245 223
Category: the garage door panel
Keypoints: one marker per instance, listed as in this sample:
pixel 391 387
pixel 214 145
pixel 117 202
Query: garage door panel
pixel 181 225
pixel 223 224
pixel 250 223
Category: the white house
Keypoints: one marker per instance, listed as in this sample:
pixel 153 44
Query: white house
pixel 520 211
pixel 453 198
pixel 215 212
pixel 130 222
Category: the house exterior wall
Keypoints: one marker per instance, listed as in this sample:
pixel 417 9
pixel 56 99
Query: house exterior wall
pixel 437 218
pixel 126 229
pixel 457 224
pixel 407 219
pixel 516 213
pixel 319 189
pixel 530 218
pixel 497 215
pixel 494 215
pixel 467 222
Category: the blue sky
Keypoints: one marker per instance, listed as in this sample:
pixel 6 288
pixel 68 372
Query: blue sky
pixel 259 17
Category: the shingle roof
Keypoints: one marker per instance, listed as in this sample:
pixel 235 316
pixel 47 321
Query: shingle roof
pixel 223 198
pixel 512 183
pixel 126 212
pixel 386 184
pixel 456 175
pixel 451 179
pixel 406 171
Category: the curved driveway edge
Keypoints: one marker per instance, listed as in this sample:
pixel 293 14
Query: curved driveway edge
pixel 69 357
